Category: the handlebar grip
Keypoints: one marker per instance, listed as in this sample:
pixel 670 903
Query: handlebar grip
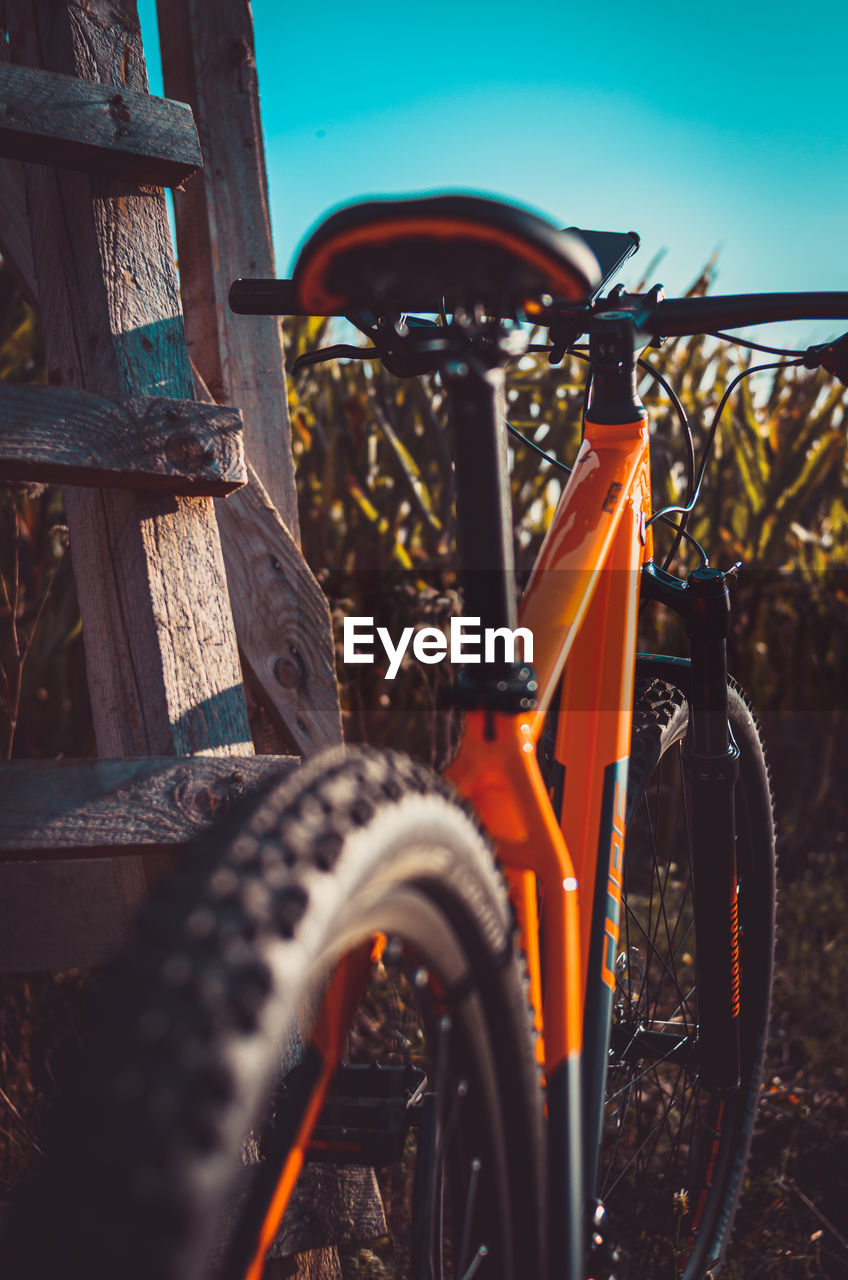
pixel 265 298
pixel 683 316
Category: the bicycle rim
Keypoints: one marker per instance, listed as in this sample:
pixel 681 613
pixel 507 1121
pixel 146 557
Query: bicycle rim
pixel 443 1170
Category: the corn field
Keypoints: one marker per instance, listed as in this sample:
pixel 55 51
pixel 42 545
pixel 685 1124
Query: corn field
pixel 376 492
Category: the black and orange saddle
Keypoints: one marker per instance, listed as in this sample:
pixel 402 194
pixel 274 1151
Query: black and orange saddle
pixel 454 250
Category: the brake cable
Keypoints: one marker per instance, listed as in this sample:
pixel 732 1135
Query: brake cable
pixel 682 533
pixel 753 346
pixel 680 529
pixel 695 481
pixel 548 457
pixel 686 510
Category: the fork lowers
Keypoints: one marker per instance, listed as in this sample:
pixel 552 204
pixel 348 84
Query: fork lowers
pixel 711 761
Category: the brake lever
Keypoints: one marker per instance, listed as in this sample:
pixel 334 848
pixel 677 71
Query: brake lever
pixel 832 356
pixel 341 351
pixel 402 342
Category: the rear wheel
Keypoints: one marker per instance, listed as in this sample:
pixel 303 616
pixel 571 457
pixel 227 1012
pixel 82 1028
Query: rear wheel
pixel 674 1152
pixel 334 978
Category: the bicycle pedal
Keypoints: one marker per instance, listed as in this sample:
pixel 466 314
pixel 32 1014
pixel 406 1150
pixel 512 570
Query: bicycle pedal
pixel 367 1115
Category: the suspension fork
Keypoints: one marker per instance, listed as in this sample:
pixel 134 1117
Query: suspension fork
pixel 711 766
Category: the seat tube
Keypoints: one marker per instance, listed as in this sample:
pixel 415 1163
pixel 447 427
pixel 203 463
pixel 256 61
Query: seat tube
pixel 483 506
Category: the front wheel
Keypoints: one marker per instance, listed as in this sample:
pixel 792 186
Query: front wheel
pixel 334 982
pixel 674 1151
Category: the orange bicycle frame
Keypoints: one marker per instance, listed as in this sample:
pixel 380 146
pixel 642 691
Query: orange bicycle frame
pixel 581 608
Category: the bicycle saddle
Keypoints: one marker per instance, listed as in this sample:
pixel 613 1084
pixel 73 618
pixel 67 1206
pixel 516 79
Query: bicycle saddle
pixel 409 254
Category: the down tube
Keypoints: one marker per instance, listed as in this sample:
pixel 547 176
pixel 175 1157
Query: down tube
pixel 581 606
pixel 591 753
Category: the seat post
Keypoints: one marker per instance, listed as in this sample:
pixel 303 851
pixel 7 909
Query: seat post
pixel 475 395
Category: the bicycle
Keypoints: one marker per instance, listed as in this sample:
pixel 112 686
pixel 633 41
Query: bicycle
pixel 579 1027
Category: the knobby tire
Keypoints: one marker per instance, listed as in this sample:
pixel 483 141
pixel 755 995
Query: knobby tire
pixel 204 1065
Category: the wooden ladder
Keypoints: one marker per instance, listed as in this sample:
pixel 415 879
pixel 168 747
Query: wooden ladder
pixel 138 428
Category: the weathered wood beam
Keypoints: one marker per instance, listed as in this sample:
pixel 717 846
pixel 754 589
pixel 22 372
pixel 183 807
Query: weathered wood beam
pixel 282 620
pixel 82 840
pixel 15 243
pixel 223 230
pixel 15 239
pixel 79 808
pixel 281 615
pixel 161 653
pixel 71 915
pixel 47 118
pixel 57 435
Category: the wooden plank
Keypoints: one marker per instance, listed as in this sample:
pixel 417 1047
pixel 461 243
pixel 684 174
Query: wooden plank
pixel 15 239
pixel 75 808
pixel 223 230
pixel 161 654
pixel 282 617
pixel 282 620
pixel 47 118
pixel 70 915
pixel 15 242
pixel 61 436
pixel 83 840
pixel 329 1205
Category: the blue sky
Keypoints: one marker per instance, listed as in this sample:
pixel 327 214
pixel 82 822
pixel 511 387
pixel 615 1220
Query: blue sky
pixel 697 126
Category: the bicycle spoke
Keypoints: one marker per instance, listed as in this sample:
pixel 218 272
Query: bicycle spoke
pixel 670 1094
pixel 662 912
pixel 479 1256
pixel 651 1067
pixel 658 958
pixel 470 1199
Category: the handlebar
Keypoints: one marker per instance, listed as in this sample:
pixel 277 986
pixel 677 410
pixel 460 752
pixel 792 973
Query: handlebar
pixel 677 317
pixel 264 298
pixel 660 317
